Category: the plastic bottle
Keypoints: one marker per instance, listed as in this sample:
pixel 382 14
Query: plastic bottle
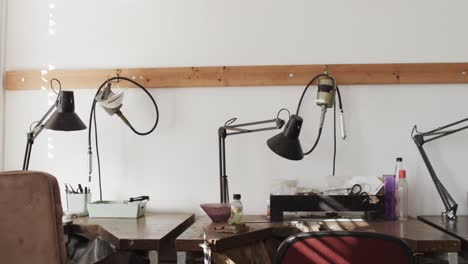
pixel 398 166
pixel 402 196
pixel 236 210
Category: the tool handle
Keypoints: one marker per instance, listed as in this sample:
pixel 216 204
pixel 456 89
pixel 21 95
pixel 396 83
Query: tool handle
pixel 90 164
pixel 342 125
pixel 139 198
pixel 80 189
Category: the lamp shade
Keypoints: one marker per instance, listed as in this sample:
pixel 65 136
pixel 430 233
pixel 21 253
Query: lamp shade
pixel 286 144
pixel 64 118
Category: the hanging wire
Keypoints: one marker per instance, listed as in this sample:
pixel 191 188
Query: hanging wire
pixel 92 117
pixel 32 124
pixel 334 139
pixel 281 110
pixel 52 85
pixel 319 134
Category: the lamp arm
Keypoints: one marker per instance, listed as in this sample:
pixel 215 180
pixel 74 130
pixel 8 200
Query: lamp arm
pixel 437 130
pixel 419 139
pixel 34 133
pixel 440 132
pixel 223 180
pixel 240 130
pixel 448 201
pixel 37 129
pixel 223 133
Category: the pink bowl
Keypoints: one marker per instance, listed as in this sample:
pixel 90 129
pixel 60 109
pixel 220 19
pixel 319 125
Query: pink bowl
pixel 218 212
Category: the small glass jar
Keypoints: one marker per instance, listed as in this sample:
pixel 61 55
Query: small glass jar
pixel 237 208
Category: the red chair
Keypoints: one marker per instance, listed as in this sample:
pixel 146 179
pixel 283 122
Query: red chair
pixel 343 248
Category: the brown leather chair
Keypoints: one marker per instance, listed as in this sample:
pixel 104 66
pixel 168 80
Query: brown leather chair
pixel 30 219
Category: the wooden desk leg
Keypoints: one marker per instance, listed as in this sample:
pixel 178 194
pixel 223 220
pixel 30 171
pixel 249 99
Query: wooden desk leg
pixel 181 257
pixel 187 257
pixel 452 257
pixel 153 257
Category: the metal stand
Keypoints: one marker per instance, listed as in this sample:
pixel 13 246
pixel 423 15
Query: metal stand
pixel 27 152
pixel 420 139
pixel 238 129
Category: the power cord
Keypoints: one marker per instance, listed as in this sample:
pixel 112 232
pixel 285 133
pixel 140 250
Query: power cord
pixel 299 107
pixel 92 116
pixel 334 139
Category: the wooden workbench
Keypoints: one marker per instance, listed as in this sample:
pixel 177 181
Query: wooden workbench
pixel 457 228
pixel 147 233
pixel 421 237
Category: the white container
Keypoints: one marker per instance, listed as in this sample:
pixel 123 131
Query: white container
pixel 117 209
pixel 77 203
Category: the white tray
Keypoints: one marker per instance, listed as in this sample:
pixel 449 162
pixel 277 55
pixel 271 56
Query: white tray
pixel 117 209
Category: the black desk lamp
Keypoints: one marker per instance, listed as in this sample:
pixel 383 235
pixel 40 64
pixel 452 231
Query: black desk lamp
pixel 420 138
pixel 230 130
pixel 63 118
pixel 286 144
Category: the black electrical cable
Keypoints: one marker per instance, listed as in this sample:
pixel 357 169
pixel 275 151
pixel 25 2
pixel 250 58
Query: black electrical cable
pixel 92 116
pixel 339 98
pixel 334 138
pixel 305 90
pixel 316 142
pixel 97 155
pixel 299 107
pixel 334 118
pixel 154 103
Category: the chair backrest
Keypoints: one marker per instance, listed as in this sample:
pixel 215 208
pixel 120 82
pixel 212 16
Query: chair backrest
pixel 30 219
pixel 343 248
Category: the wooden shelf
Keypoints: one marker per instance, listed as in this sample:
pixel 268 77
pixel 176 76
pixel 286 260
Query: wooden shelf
pixel 219 76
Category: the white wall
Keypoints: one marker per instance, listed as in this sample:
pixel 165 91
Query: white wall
pixel 3 29
pixel 178 165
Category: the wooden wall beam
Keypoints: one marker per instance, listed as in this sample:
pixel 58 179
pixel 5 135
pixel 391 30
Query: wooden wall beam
pixel 283 75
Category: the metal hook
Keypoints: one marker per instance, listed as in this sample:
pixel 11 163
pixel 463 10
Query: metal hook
pixel 281 110
pixel 117 74
pixel 325 70
pixel 415 131
pixel 230 121
pixel 52 85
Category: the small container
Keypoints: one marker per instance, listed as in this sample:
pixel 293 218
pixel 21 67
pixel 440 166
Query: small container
pixel 117 209
pixel 268 209
pixel 77 203
pixel 237 209
pixel 389 197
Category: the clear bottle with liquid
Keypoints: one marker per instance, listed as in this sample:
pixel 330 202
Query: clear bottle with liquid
pixel 398 166
pixel 237 209
pixel 402 196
